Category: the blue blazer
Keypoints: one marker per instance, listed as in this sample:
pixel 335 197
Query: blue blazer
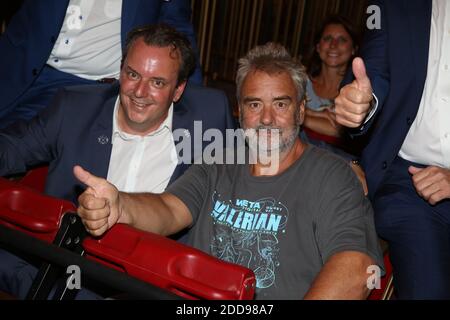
pixel 396 58
pixel 77 127
pixel 31 34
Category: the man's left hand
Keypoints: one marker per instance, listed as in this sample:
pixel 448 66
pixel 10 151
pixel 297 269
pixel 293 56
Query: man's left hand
pixel 431 183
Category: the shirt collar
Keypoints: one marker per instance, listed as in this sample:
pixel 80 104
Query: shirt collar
pixel 117 132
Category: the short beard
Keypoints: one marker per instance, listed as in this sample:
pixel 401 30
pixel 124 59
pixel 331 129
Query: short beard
pixel 284 144
pixel 270 150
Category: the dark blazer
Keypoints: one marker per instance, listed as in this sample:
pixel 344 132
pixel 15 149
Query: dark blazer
pixel 77 127
pixel 28 41
pixel 396 58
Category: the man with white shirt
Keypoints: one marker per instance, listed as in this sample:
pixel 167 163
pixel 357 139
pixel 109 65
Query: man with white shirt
pixel 407 160
pixel 55 43
pixel 121 133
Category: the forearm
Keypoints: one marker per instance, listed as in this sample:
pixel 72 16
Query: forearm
pixel 374 51
pixel 153 212
pixel 11 162
pixel 343 277
pixel 322 125
pixel 28 144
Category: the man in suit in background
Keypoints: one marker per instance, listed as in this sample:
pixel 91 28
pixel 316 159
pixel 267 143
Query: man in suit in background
pixel 123 134
pixel 55 43
pixel 407 160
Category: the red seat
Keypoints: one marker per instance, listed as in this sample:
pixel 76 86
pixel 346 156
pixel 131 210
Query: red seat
pixel 35 178
pixel 386 286
pixel 323 137
pixel 29 211
pixel 163 262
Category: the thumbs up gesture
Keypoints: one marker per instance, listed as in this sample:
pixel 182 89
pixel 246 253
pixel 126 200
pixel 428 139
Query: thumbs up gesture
pixel 99 204
pixel 353 102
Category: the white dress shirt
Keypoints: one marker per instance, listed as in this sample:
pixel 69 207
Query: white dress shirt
pixel 142 164
pixel 89 43
pixel 428 140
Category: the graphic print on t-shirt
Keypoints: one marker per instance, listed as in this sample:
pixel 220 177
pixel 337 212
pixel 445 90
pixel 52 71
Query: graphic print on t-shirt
pixel 247 233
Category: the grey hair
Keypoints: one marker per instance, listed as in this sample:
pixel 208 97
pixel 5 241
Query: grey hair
pixel 271 58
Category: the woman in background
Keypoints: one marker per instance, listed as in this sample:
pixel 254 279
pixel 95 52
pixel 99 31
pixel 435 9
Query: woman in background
pixel 335 47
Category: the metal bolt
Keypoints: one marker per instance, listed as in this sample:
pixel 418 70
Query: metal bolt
pixel 247 286
pixel 76 240
pixel 68 241
pixel 73 219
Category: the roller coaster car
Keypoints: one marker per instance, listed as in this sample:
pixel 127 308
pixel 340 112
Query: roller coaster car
pixel 182 270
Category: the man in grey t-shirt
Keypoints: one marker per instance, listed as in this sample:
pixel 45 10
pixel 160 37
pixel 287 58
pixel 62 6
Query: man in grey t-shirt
pixel 295 215
pixel 283 227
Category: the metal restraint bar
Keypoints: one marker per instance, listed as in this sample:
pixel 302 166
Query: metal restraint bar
pixel 70 236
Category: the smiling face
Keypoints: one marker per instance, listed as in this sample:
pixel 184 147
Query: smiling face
pixel 148 86
pixel 270 102
pixel 336 46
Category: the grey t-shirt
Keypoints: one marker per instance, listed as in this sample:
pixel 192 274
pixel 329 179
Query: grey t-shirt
pixel 283 227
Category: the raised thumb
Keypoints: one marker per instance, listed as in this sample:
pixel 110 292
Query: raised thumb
pixel 87 178
pixel 361 78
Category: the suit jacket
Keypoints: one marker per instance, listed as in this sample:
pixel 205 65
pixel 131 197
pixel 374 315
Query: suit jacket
pixel 396 58
pixel 28 41
pixel 77 127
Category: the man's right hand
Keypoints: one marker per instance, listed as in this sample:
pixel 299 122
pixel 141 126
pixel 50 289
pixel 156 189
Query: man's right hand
pixel 99 203
pixel 353 102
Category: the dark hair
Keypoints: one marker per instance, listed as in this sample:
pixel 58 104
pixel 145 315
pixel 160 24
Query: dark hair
pixel 162 35
pixel 271 58
pixel 313 62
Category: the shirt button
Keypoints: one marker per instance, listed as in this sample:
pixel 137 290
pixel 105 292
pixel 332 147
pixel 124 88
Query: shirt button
pixel 446 67
pixel 409 121
pixel 446 135
pixel 384 165
pixel 67 41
